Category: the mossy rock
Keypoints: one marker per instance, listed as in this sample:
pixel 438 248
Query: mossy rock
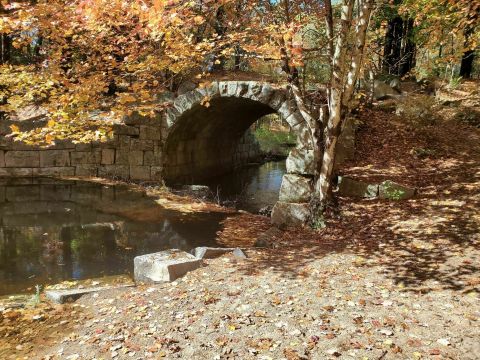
pixel 393 191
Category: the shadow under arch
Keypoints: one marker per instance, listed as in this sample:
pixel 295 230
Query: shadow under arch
pixel 203 141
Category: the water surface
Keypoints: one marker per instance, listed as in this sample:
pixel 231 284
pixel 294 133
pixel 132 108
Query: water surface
pixel 55 230
pixel 58 230
pixel 252 187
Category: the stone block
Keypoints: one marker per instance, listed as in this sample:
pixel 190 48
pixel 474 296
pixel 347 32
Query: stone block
pixel 124 142
pixel 2 158
pixel 287 109
pixel 241 90
pixel 393 191
pixel 108 156
pixel 277 99
pixel 127 157
pixel 254 89
pixel 148 158
pixel 354 188
pixel 295 119
pixel 121 129
pixel 265 94
pixel 86 157
pixel 22 159
pixel 114 171
pixel 135 157
pixel 295 188
pixel 301 161
pixel 86 170
pixel 239 254
pixel 121 157
pixel 290 214
pixel 164 266
pixel 51 158
pixel 172 115
pixel 140 172
pixel 304 136
pixel 83 147
pixel 204 252
pixel 150 133
pixel 64 144
pixel 18 145
pixel 66 295
pixel 16 172
pixel 184 102
pixel 54 171
pixel 112 142
pixel 136 119
pixel 141 144
pixel 156 173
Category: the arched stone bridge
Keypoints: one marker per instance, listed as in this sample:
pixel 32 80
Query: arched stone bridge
pixel 185 143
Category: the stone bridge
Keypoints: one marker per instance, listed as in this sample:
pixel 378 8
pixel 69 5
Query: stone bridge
pixel 183 144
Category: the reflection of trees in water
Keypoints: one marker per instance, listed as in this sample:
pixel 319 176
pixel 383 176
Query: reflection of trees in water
pixel 49 241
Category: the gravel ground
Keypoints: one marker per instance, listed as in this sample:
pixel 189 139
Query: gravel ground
pixel 339 306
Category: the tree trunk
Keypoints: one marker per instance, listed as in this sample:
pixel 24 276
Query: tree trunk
pixel 409 49
pixel 5 42
pixel 5 48
pixel 468 55
pixel 220 29
pixel 341 89
pixel 400 48
pixel 393 46
pixel 467 64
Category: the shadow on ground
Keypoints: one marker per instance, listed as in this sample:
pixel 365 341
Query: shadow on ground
pixel 427 243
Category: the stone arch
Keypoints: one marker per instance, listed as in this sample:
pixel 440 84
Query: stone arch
pixel 200 140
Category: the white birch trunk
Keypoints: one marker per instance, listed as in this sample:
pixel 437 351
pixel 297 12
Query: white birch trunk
pixel 342 87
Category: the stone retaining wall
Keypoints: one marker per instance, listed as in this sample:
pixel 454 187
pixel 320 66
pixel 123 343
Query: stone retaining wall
pixel 133 153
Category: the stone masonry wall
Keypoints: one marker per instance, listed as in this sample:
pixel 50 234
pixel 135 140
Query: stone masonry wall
pixel 247 151
pixel 134 153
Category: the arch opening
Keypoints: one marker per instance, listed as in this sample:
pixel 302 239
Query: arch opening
pixel 209 141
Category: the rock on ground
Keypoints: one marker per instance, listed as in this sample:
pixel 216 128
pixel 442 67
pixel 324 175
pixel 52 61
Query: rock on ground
pixel 164 266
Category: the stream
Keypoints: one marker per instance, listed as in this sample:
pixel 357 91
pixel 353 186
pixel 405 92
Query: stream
pixel 55 230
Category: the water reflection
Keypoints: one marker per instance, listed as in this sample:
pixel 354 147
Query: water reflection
pixel 252 187
pixel 52 231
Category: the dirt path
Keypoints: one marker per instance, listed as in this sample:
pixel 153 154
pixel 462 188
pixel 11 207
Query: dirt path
pixel 385 280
